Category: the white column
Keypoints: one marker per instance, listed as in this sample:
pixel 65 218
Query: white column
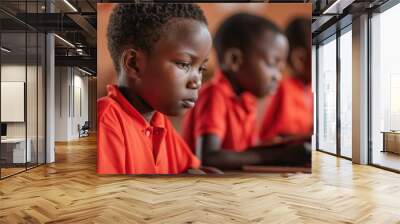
pixel 50 92
pixel 50 99
pixel 313 86
pixel 360 90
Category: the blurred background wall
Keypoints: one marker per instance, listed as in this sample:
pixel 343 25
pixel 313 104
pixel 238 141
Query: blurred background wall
pixel 280 13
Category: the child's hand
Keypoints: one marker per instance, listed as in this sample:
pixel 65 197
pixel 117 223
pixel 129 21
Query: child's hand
pixel 211 170
pixel 195 171
pixel 205 170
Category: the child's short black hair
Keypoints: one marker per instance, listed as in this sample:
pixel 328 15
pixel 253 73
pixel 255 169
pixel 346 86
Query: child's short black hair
pixel 141 24
pixel 241 30
pixel 298 33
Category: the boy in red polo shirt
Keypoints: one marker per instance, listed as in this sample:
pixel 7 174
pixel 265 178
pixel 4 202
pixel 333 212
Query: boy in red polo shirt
pixel 159 51
pixel 221 128
pixel 289 115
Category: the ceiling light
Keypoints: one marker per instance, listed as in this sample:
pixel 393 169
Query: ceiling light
pixel 5 50
pixel 84 71
pixel 337 7
pixel 70 5
pixel 65 41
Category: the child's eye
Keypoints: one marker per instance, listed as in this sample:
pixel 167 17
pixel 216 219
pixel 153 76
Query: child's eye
pixel 271 63
pixel 202 70
pixel 184 66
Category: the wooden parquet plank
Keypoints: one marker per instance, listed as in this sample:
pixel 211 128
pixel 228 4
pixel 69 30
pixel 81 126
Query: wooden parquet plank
pixel 70 191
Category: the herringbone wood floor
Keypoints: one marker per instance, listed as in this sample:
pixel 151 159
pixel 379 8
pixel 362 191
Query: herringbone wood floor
pixel 70 191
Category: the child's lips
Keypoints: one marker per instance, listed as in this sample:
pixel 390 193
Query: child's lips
pixel 189 102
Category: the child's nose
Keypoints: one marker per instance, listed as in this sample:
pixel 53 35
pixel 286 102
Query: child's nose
pixel 194 82
pixel 277 76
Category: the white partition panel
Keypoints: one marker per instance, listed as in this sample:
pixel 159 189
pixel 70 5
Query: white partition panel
pixel 12 101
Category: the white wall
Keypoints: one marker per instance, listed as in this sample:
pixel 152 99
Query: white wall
pixel 12 73
pixel 33 126
pixel 61 103
pixel 70 84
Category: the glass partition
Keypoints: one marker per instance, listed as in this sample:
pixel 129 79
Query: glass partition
pixel 22 78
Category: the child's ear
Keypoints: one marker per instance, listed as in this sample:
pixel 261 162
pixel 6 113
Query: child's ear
pixel 298 58
pixel 129 60
pixel 233 59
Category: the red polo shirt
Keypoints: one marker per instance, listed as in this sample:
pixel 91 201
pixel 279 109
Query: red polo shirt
pixel 290 111
pixel 221 112
pixel 128 144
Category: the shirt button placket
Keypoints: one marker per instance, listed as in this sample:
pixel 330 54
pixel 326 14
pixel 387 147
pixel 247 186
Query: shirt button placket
pixel 147 132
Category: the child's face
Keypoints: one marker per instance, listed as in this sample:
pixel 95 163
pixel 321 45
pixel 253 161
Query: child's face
pixel 301 63
pixel 172 71
pixel 282 48
pixel 260 71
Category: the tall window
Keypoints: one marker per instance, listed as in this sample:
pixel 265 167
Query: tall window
pixel 314 89
pixel 346 92
pixel 385 89
pixel 327 95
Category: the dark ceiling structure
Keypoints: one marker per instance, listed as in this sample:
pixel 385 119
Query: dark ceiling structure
pixel 329 16
pixel 73 22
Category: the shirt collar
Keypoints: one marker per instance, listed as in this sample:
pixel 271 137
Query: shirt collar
pixel 156 121
pixel 249 100
pixel 223 84
pixel 298 82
